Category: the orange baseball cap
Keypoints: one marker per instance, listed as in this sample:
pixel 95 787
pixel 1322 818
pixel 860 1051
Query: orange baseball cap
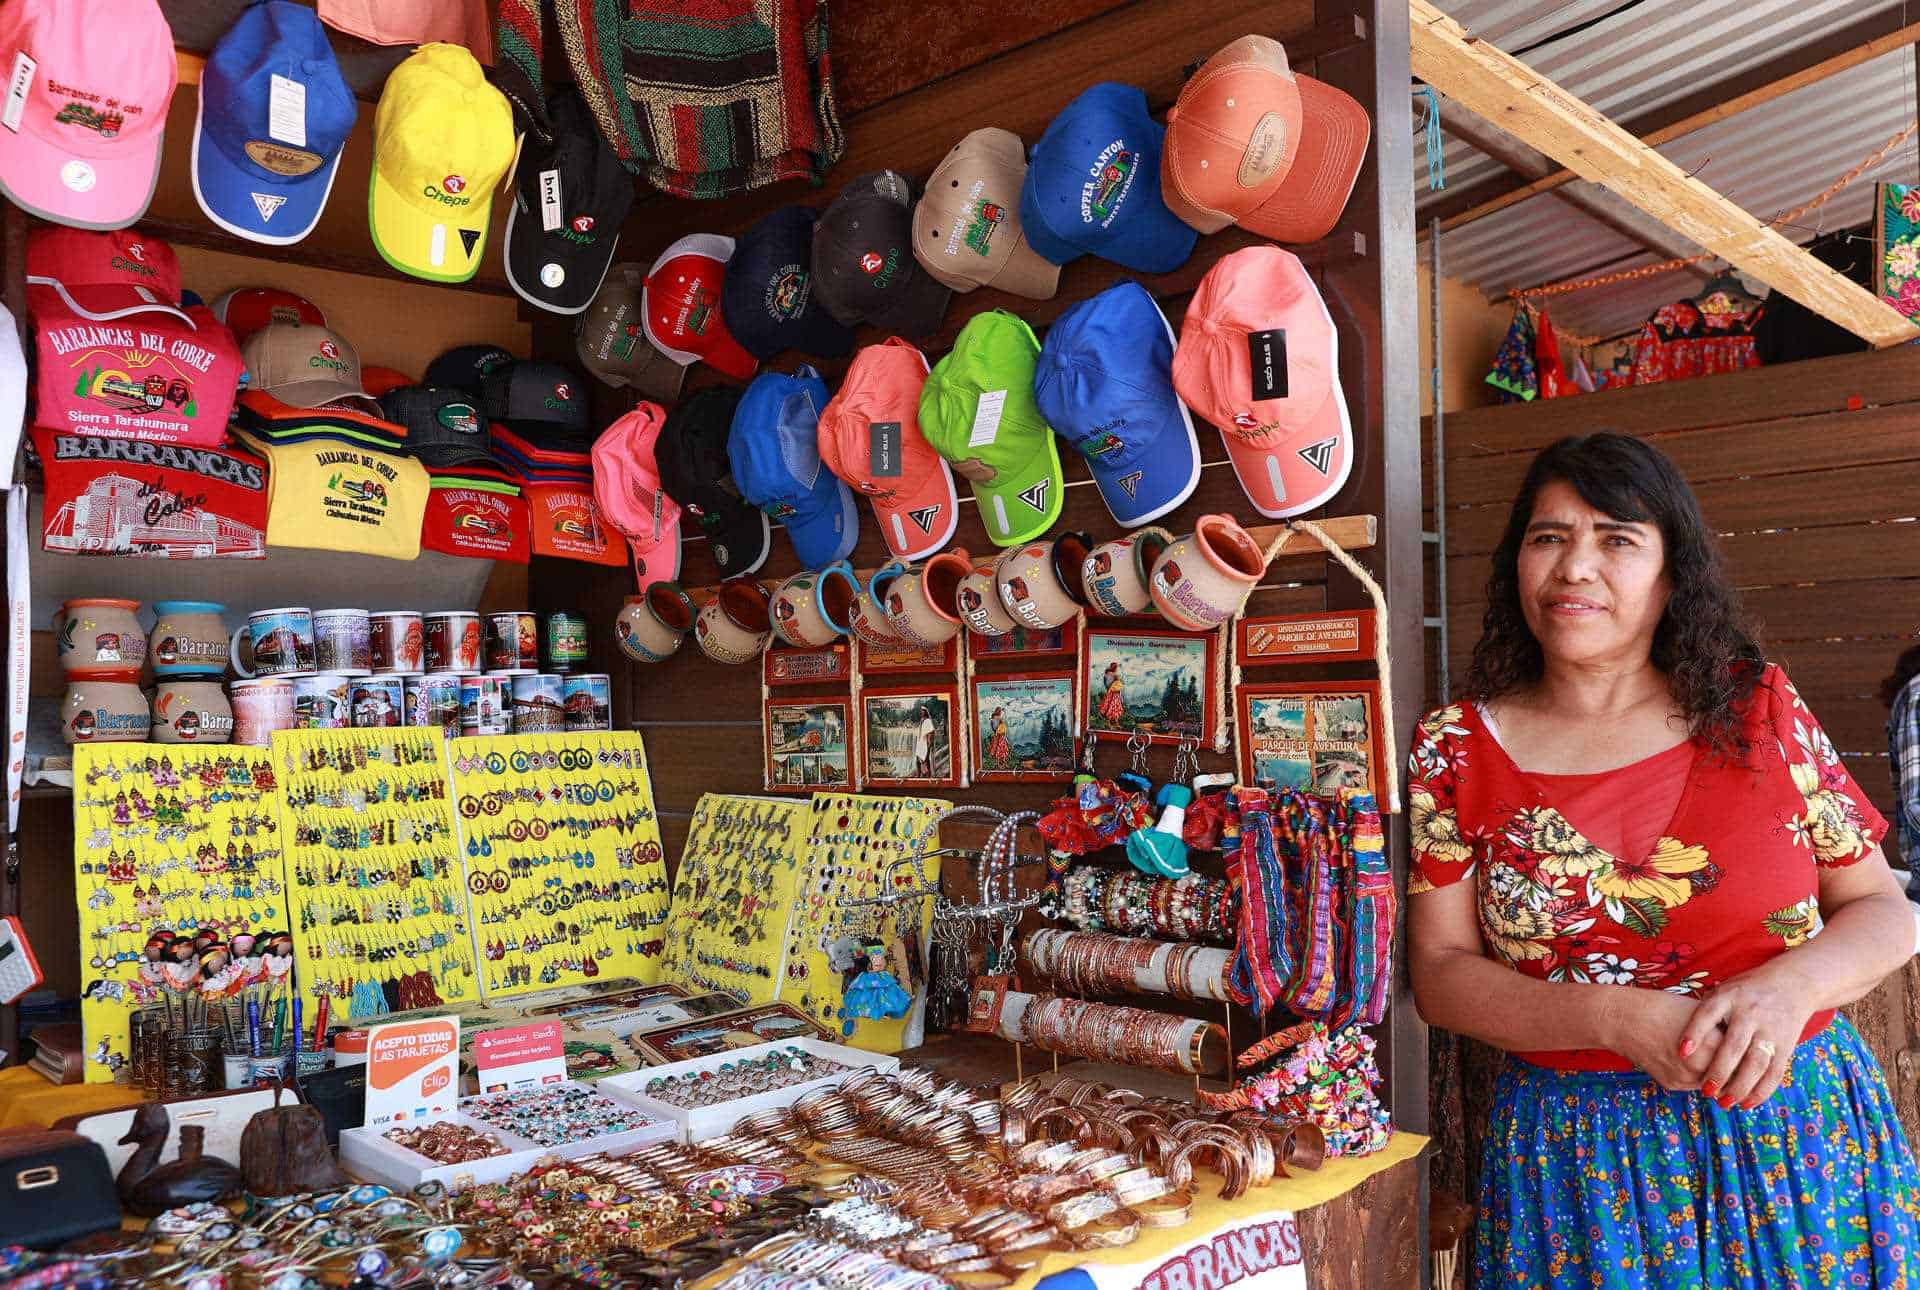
pixel 870 437
pixel 1252 143
pixel 1260 359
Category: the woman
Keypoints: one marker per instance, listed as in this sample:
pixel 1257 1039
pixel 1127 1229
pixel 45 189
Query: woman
pixel 1901 693
pixel 999 747
pixel 1674 884
pixel 1113 698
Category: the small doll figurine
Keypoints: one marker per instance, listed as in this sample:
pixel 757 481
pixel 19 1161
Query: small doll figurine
pixel 278 958
pixel 875 993
pixel 141 809
pixel 122 813
pixel 180 970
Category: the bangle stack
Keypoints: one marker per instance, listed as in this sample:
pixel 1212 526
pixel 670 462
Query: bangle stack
pixel 1099 963
pixel 1193 908
pixel 1132 1036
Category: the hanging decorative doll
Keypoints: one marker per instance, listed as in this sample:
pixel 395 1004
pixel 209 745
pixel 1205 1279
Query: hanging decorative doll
pixel 876 993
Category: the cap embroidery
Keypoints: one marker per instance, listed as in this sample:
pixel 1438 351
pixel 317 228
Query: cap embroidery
pixel 1319 455
pixel 1036 496
pixel 455 184
pixel 105 124
pixel 925 517
pixel 787 292
pixel 882 268
pixel 1129 484
pixel 981 223
pixel 583 223
pixel 266 204
pixel 330 349
pixel 1112 172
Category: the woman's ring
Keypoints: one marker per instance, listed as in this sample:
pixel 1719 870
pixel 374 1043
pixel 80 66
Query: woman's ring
pixel 1765 1046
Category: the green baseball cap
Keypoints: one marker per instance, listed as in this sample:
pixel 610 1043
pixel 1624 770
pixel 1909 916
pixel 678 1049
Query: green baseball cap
pixel 977 410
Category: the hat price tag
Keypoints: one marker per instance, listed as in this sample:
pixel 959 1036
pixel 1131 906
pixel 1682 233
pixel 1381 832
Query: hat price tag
pixel 883 449
pixel 287 112
pixel 19 84
pixel 986 418
pixel 551 211
pixel 1267 356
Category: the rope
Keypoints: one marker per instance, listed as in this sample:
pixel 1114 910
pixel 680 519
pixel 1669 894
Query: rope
pixel 1787 217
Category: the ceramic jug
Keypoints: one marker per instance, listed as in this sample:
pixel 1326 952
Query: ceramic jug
pixel 1115 573
pixel 814 609
pixel 1202 579
pixel 652 625
pixel 1039 583
pixel 101 637
pixel 187 638
pixel 923 604
pixel 734 626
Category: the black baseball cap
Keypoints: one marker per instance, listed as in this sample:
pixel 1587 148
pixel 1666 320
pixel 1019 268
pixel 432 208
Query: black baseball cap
pixel 542 401
pixel 611 340
pixel 864 270
pixel 691 454
pixel 465 367
pixel 768 298
pixel 444 427
pixel 570 198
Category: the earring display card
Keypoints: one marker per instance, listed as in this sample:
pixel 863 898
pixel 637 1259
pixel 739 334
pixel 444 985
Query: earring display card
pixel 859 969
pixel 180 888
pixel 733 894
pixel 566 878
pixel 379 890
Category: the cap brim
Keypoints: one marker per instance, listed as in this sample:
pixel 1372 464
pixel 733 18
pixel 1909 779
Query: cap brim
pixel 239 200
pixel 1027 273
pixel 441 456
pixel 116 192
pixel 741 542
pixel 101 303
pixel 1308 466
pixel 919 525
pixel 313 394
pixel 1334 134
pixel 656 558
pixel 535 251
pixel 828 530
pixel 1006 509
pixel 726 355
pixel 415 243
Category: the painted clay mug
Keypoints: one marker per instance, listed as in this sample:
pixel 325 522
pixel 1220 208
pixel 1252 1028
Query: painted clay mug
pixel 1202 579
pixel 1116 572
pixel 923 604
pixel 652 625
pixel 814 609
pixel 980 605
pixel 191 711
pixel 869 619
pixel 733 627
pixel 96 636
pixel 187 638
pixel 97 711
pixel 1039 583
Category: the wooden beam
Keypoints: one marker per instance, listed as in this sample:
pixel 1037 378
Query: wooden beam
pixel 1536 111
pixel 1797 69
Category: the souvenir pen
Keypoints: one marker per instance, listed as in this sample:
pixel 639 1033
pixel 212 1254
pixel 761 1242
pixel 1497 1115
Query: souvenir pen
pixel 296 1027
pixel 279 1022
pixel 253 1026
pixel 320 1025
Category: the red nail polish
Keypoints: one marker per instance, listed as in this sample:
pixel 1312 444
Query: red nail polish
pixel 1749 1104
pixel 1686 1047
pixel 1726 1103
pixel 1711 1088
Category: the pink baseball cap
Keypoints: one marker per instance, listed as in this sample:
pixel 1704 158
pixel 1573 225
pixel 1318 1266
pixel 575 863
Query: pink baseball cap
pixel 84 108
pixel 680 306
pixel 101 276
pixel 870 437
pixel 1259 358
pixel 626 484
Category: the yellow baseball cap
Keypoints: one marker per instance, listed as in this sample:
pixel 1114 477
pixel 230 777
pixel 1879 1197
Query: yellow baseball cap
pixel 442 141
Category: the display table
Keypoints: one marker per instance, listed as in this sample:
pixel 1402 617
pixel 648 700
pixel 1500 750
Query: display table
pixel 29 1101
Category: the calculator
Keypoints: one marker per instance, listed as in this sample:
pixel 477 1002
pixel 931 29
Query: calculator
pixel 19 970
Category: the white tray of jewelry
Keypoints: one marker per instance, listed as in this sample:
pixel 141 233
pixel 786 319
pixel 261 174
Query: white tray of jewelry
pixel 566 1118
pixel 652 1088
pixel 370 1156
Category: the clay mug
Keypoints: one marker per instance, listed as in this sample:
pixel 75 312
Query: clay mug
pixel 868 619
pixel 1202 579
pixel 1040 583
pixel 187 638
pixel 98 711
pixel 96 636
pixel 191 711
pixel 651 626
pixel 813 609
pixel 734 627
pixel 980 605
pixel 1115 573
pixel 923 604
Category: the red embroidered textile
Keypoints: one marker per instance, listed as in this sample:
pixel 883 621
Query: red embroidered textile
pixel 1680 342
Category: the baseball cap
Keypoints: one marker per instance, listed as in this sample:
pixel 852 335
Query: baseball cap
pixel 612 343
pixel 85 107
pixel 1093 186
pixel 691 454
pixel 863 265
pixel 1250 142
pixel 768 298
pixel 531 463
pixel 626 484
pixel 775 451
pixel 303 367
pixel 245 310
pixel 1105 383
pixel 543 401
pixel 571 196
pixel 966 229
pixel 442 140
pixel 1259 357
pixel 101 276
pixel 443 427
pixel 977 411
pixel 274 117
pixel 680 305
pixel 467 367
pixel 870 437
pixel 378 381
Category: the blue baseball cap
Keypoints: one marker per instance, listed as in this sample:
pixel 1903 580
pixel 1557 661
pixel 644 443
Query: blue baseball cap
pixel 275 113
pixel 1093 186
pixel 1105 384
pixel 774 448
pixel 768 300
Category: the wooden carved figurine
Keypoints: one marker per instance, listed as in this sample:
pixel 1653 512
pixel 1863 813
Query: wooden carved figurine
pixel 148 1187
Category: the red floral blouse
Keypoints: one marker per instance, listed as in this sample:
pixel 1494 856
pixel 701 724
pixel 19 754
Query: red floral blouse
pixel 1732 880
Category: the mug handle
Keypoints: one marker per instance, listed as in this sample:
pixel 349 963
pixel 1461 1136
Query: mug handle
pixel 838 569
pixel 233 654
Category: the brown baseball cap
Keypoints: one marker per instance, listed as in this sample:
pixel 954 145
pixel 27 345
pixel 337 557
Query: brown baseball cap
pixel 612 341
pixel 966 228
pixel 304 367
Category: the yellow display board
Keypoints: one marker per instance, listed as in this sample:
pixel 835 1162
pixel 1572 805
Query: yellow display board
pixel 565 873
pixel 171 841
pixel 733 894
pixel 378 888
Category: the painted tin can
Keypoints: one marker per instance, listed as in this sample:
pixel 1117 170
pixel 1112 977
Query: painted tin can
pixel 566 642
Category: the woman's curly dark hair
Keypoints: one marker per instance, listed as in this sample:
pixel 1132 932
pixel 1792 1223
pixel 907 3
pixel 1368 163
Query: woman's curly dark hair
pixel 1702 644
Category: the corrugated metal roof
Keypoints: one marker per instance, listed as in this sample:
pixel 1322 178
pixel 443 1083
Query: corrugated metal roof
pixel 1768 159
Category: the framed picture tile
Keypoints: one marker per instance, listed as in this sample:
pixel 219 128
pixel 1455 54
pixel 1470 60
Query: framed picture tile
pixel 1157 682
pixel 1318 736
pixel 1025 727
pixel 808 745
pixel 908 737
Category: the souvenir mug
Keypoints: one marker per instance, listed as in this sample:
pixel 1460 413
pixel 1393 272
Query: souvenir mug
pixel 1115 573
pixel 281 640
pixel 261 707
pixel 187 638
pixel 1039 583
pixel 399 641
pixel 513 641
pixel 486 704
pixel 377 700
pixel 652 625
pixel 812 609
pixel 539 703
pixel 587 698
pixel 980 605
pixel 343 642
pixel 434 700
pixel 98 711
pixel 868 618
pixel 191 712
pixel 453 641
pixel 1202 579
pixel 923 604
pixel 733 627
pixel 96 636
pixel 566 642
pixel 320 702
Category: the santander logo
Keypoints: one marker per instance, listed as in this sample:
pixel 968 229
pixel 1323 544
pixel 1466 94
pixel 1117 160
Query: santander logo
pixel 454 184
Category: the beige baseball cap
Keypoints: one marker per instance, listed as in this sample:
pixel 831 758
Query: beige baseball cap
pixel 304 367
pixel 966 229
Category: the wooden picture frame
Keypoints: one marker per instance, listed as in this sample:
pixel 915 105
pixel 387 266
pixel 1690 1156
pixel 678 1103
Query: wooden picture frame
pixel 890 737
pixel 1023 643
pixel 1039 751
pixel 1151 667
pixel 909 658
pixel 1335 636
pixel 829 665
pixel 1318 736
pixel 807 745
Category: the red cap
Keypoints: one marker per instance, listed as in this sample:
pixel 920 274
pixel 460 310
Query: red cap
pixel 245 310
pixel 101 275
pixel 1286 429
pixel 377 381
pixel 870 437
pixel 680 306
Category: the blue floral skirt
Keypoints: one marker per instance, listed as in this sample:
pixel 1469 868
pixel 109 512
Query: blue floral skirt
pixel 1604 1179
